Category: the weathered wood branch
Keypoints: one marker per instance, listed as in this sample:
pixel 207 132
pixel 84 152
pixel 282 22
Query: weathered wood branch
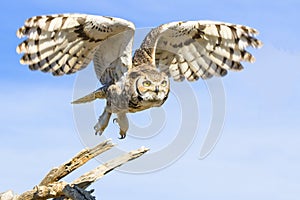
pixel 8 195
pixel 88 178
pixel 60 190
pixel 51 187
pixel 77 161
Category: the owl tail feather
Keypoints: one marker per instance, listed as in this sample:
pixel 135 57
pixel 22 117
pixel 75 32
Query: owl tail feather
pixel 98 94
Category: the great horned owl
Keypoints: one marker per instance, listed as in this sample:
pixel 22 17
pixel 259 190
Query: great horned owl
pixel 65 43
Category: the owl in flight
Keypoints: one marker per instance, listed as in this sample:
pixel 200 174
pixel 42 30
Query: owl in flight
pixel 66 43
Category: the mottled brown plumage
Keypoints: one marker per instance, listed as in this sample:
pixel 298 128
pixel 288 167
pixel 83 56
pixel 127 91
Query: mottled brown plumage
pixel 65 43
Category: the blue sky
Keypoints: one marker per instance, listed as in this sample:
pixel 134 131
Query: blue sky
pixel 257 156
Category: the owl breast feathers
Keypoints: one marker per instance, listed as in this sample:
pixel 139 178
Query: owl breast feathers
pixel 66 43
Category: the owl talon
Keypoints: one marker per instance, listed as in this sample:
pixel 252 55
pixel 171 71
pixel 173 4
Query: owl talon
pixel 122 135
pixel 98 129
pixel 115 120
pixel 123 124
pixel 98 132
pixel 102 123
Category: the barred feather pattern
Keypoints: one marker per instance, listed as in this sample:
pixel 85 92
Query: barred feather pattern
pixel 197 49
pixel 65 43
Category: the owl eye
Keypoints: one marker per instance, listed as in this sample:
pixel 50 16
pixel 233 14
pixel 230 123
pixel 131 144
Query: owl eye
pixel 164 83
pixel 146 83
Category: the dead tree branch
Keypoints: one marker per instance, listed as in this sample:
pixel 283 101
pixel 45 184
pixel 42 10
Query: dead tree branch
pixel 52 187
pixel 77 161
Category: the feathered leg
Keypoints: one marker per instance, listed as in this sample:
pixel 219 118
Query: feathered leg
pixel 123 124
pixel 102 122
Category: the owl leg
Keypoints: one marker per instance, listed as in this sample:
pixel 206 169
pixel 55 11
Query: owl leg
pixel 123 124
pixel 102 122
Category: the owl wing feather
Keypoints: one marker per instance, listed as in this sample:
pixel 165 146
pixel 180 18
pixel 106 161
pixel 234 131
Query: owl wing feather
pixel 193 49
pixel 65 43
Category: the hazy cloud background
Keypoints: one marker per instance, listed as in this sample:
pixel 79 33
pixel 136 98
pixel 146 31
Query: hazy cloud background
pixel 258 155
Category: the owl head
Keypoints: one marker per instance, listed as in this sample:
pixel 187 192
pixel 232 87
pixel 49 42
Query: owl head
pixel 152 86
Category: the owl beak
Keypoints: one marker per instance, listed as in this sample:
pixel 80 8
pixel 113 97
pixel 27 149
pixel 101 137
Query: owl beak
pixel 156 89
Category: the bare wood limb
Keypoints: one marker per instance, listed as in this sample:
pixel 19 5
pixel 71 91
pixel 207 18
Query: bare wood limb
pixel 88 178
pixel 75 190
pixel 8 195
pixel 77 161
pixel 44 192
pixel 59 189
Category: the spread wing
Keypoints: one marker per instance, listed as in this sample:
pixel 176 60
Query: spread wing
pixel 193 49
pixel 65 43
